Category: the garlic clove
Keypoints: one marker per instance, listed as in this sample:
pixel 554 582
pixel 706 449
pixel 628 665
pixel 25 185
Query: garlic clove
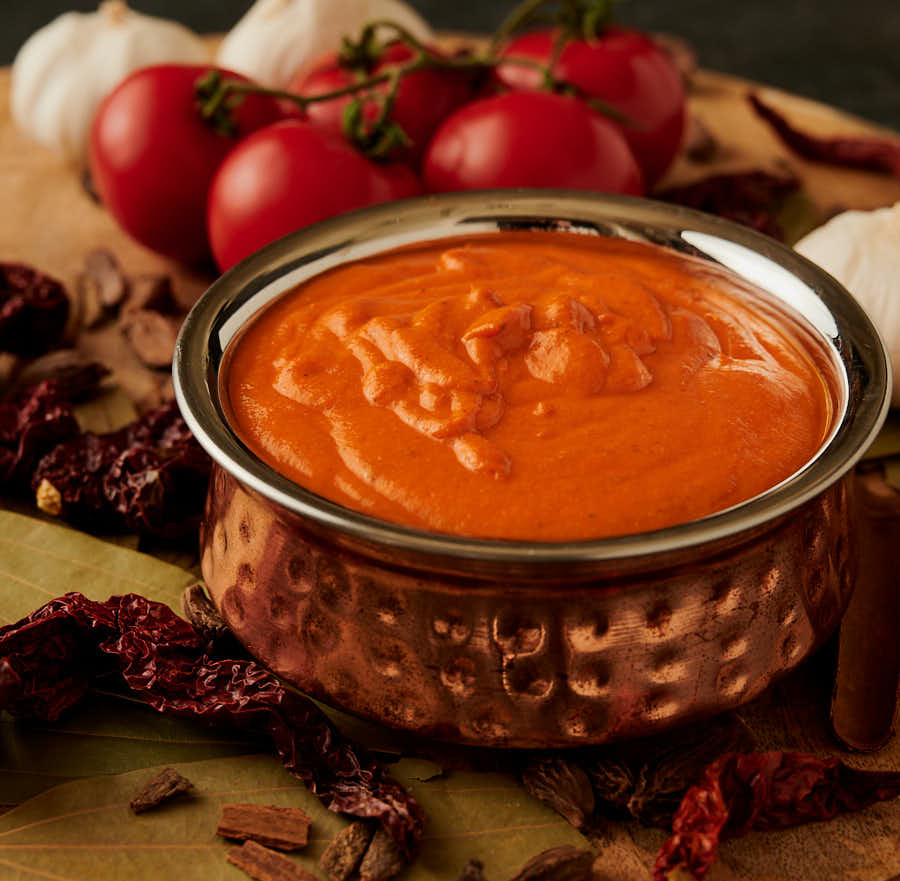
pixel 277 39
pixel 64 70
pixel 861 249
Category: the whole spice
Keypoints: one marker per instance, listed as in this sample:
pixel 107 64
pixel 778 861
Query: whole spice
pixel 564 863
pixel 164 786
pixel 198 608
pixel 345 850
pixel 266 865
pixel 773 790
pixel 149 477
pixel 34 309
pixel 281 828
pixel 101 286
pixel 49 659
pixel 646 779
pixel 851 151
pixel 382 859
pixel 563 785
pixel 753 198
pixel 152 335
pixel 864 702
pixel 32 423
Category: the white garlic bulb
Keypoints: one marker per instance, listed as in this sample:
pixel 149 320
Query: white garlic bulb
pixel 276 39
pixel 65 69
pixel 861 249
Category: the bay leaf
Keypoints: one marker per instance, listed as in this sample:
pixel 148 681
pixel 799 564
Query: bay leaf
pixel 40 561
pixel 107 733
pixel 107 411
pixel 84 830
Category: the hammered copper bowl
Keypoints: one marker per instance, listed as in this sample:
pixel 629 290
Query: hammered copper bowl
pixel 521 644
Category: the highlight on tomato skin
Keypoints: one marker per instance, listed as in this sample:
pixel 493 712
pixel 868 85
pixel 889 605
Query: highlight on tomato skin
pixel 153 155
pixel 531 139
pixel 287 176
pixel 621 67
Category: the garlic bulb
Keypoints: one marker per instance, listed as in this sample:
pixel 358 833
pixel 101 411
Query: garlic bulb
pixel 861 249
pixel 278 38
pixel 65 69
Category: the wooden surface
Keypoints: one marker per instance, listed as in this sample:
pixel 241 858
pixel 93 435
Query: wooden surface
pixel 48 221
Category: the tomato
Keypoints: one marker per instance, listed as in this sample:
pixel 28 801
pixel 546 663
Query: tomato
pixel 628 71
pixel 424 98
pixel 153 156
pixel 285 177
pixel 530 139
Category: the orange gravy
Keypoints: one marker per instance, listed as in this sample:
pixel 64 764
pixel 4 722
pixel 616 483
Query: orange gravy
pixel 530 385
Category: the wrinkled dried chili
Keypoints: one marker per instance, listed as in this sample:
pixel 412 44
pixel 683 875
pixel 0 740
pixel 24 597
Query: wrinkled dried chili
pixel 49 659
pixel 850 151
pixel 751 198
pixel 149 477
pixel 34 310
pixel 773 790
pixel 32 422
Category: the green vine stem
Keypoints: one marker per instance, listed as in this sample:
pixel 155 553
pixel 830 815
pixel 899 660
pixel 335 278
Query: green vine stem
pixel 217 96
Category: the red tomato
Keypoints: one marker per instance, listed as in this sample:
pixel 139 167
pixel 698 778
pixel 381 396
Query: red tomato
pixel 153 156
pixel 530 139
pixel 423 100
pixel 285 177
pixel 627 70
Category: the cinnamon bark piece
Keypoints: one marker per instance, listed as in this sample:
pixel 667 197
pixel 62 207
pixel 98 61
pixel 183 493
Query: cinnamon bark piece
pixel 164 786
pixel 152 335
pixel 868 671
pixel 266 865
pixel 345 850
pixel 281 828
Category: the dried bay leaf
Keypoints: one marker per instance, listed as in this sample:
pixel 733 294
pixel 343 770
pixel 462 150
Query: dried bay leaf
pixel 106 734
pixel 85 831
pixel 40 561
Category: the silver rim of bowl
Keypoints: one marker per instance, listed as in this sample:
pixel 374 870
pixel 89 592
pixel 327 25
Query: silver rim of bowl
pixel 844 327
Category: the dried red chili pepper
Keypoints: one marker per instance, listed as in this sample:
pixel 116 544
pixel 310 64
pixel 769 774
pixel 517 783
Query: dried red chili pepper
pixel 752 198
pixel 850 151
pixel 32 423
pixel 34 310
pixel 48 660
pixel 149 477
pixel 773 790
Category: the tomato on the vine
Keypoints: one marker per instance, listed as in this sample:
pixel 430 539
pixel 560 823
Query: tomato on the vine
pixel 424 97
pixel 153 155
pixel 287 176
pixel 621 67
pixel 530 139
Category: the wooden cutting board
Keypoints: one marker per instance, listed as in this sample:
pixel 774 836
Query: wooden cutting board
pixel 49 221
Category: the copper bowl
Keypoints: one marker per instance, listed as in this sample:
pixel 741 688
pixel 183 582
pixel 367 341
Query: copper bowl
pixel 523 644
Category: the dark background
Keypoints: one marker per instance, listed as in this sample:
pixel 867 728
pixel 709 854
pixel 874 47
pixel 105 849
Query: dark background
pixel 843 52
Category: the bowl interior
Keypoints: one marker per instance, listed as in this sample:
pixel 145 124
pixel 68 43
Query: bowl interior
pixel 841 330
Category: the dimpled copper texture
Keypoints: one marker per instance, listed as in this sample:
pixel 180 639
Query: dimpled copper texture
pixel 522 663
pixel 531 644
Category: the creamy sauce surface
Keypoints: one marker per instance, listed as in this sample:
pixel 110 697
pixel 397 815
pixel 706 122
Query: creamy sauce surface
pixel 529 385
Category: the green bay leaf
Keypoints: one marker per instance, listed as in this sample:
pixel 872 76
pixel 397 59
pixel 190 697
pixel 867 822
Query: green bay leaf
pixel 84 830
